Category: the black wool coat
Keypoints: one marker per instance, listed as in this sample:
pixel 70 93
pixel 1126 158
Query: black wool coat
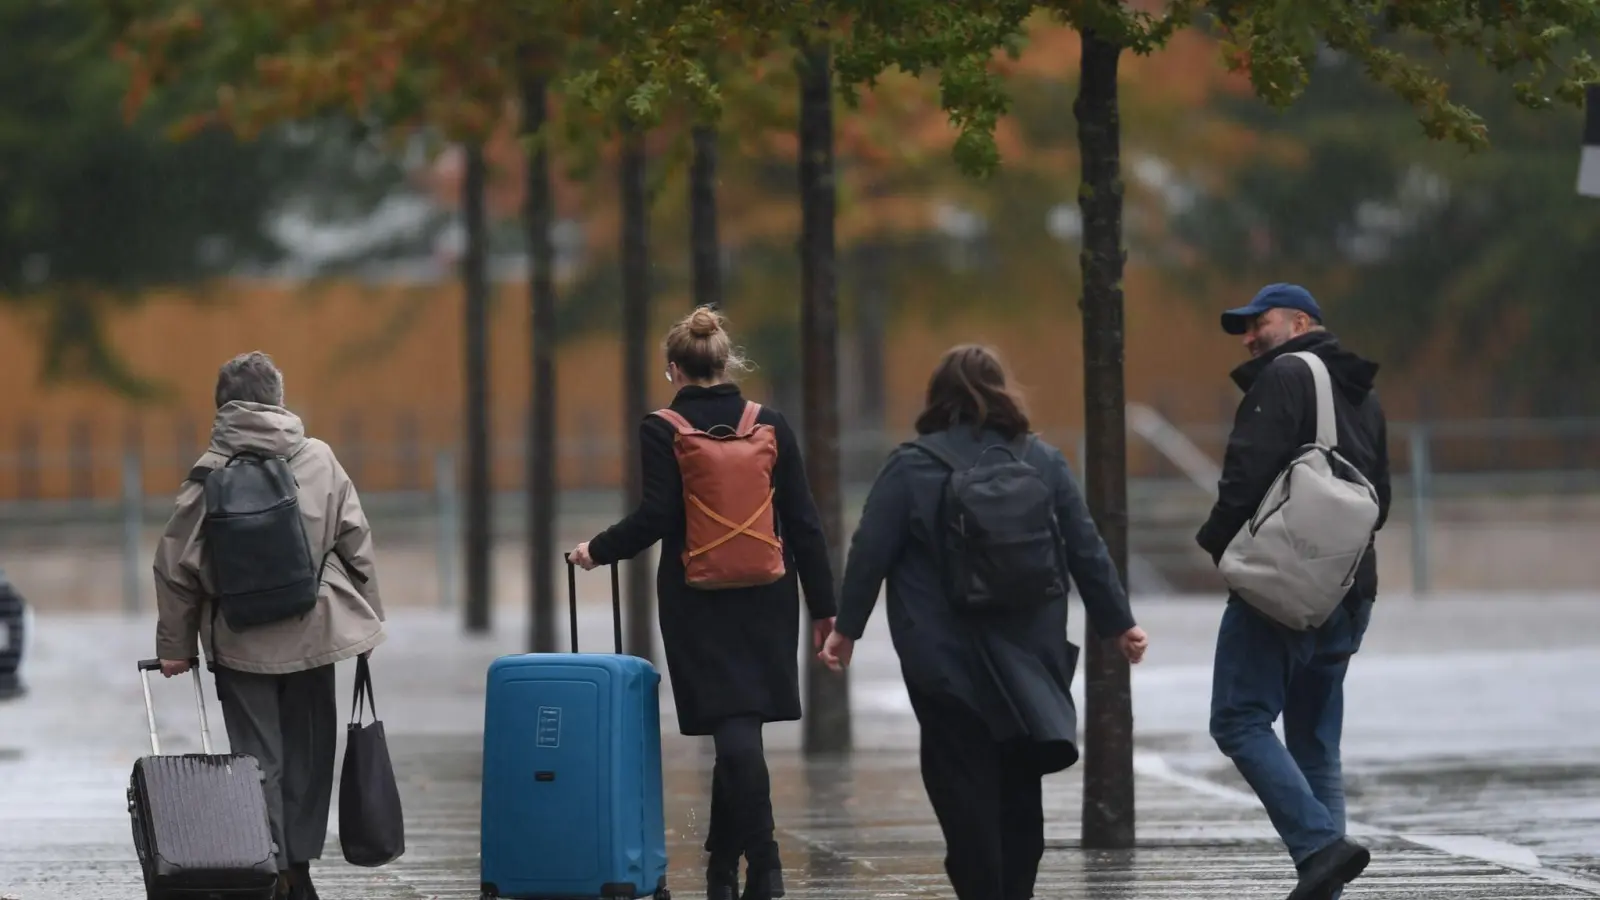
pixel 729 652
pixel 1013 670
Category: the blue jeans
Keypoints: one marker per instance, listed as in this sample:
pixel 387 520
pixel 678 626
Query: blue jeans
pixel 1263 670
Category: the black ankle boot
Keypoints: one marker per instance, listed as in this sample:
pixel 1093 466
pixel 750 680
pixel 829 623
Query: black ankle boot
pixel 1330 869
pixel 722 880
pixel 762 884
pixel 763 879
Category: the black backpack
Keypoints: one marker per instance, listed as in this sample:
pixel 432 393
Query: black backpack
pixel 259 558
pixel 999 541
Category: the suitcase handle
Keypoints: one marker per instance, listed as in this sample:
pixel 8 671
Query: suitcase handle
pixel 146 666
pixel 572 604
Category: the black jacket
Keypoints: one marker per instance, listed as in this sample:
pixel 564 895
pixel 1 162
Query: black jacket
pixel 1015 671
pixel 729 652
pixel 1277 416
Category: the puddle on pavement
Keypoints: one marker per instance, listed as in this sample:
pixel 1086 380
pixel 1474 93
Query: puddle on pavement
pixel 1550 806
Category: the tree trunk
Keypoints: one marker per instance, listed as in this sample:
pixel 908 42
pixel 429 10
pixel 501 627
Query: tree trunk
pixel 705 250
pixel 827 719
pixel 479 605
pixel 539 216
pixel 636 392
pixel 1108 742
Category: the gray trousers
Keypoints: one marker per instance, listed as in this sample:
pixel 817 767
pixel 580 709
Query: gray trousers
pixel 289 723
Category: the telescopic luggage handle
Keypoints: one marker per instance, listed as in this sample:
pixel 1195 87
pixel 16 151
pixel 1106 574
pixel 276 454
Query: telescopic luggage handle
pixel 572 604
pixel 146 666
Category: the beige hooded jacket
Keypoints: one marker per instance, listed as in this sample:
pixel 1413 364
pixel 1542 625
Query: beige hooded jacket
pixel 348 618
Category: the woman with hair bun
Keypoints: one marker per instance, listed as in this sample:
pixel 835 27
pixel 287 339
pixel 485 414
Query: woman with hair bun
pixel 739 535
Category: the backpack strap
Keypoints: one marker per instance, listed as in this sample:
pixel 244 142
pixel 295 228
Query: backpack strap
pixel 1327 423
pixel 676 421
pixel 747 422
pixel 932 447
pixel 199 474
pixel 1008 448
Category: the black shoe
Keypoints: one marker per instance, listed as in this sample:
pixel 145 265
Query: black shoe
pixel 300 886
pixel 762 884
pixel 1330 869
pixel 763 876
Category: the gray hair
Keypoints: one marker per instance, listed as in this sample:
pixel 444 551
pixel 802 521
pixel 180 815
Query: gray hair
pixel 251 377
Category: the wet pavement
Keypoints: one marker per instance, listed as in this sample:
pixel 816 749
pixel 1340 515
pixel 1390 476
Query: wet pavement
pixel 1472 754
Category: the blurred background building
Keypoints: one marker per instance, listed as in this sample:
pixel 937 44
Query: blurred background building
pixel 133 265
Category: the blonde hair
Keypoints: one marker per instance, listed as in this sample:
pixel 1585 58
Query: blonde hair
pixel 700 346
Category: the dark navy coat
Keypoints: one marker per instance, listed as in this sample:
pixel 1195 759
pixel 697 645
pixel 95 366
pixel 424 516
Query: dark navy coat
pixel 1014 670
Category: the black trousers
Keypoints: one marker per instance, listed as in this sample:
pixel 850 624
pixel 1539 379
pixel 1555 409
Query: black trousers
pixel 741 798
pixel 987 796
pixel 290 724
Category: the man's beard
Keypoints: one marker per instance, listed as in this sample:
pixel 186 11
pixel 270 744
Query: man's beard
pixel 1264 345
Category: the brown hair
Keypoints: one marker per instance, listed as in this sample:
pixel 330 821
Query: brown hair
pixel 701 347
pixel 250 377
pixel 970 387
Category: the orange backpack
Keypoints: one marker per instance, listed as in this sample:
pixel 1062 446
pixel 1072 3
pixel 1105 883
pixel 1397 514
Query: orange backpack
pixel 730 540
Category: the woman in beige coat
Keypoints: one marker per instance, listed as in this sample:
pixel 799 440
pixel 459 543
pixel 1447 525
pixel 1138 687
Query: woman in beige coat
pixel 275 681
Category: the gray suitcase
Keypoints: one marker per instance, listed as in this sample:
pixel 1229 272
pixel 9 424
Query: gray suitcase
pixel 200 820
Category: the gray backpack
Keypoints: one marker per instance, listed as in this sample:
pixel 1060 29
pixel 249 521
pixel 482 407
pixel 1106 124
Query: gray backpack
pixel 1296 559
pixel 999 541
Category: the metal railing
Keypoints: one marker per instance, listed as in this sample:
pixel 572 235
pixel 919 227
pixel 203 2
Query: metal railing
pixel 1434 463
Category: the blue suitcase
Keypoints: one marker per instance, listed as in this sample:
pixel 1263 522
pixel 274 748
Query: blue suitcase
pixel 572 798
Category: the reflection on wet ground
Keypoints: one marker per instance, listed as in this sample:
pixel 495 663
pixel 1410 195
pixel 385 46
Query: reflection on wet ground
pixel 1551 807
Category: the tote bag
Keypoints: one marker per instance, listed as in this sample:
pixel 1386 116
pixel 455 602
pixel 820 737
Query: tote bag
pixel 371 825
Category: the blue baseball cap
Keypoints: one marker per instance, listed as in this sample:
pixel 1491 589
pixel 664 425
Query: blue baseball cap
pixel 1273 296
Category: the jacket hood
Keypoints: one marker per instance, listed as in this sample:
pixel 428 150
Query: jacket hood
pixel 1352 375
pixel 241 425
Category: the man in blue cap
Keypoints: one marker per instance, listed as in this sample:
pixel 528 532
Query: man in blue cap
pixel 1262 669
pixel 1269 319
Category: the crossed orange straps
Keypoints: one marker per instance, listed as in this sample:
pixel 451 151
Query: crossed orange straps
pixel 736 528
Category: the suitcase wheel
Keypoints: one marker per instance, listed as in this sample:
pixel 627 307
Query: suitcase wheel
pixel 663 894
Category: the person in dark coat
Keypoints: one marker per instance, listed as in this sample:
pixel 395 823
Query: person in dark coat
pixel 731 653
pixel 1262 669
pixel 992 693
